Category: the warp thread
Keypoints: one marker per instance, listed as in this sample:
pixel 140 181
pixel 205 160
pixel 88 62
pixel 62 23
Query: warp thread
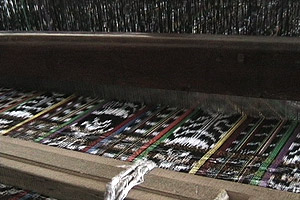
pixel 230 17
pixel 121 184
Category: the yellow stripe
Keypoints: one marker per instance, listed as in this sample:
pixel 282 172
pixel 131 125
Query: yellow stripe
pixel 84 106
pixel 218 145
pixel 5 132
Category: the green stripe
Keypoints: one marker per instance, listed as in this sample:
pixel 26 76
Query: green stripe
pixel 265 141
pixel 263 168
pixel 241 143
pixel 153 146
pixel 68 122
pixel 152 129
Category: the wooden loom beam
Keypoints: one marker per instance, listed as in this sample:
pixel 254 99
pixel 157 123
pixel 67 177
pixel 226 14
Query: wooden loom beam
pixel 247 66
pixel 73 175
pixel 266 67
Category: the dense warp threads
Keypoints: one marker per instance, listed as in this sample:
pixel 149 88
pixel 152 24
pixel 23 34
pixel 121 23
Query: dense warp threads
pixel 230 17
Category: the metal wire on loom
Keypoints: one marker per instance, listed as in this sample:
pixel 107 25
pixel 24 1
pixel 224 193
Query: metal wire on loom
pixel 229 17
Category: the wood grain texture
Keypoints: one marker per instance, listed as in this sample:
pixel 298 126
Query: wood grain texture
pixel 73 175
pixel 245 66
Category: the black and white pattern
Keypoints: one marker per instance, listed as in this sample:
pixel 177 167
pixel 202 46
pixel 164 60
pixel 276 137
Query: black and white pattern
pixel 286 176
pixel 248 150
pixel 262 156
pixel 190 141
pixel 141 140
pixel 127 139
pixel 82 133
pixel 110 141
pixel 54 119
pixel 10 193
pixel 28 109
pixel 214 164
pixel 13 97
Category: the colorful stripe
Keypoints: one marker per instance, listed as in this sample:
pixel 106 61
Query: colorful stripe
pixel 97 145
pixel 5 132
pixel 115 141
pixel 217 146
pixel 162 133
pixel 259 150
pixel 164 137
pixel 121 126
pixel 152 129
pixel 279 158
pixel 261 171
pixel 62 127
pixel 19 102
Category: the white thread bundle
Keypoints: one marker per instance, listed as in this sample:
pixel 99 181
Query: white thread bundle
pixel 121 184
pixel 223 195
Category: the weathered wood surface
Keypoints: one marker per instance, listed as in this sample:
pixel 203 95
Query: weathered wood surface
pixel 265 67
pixel 73 175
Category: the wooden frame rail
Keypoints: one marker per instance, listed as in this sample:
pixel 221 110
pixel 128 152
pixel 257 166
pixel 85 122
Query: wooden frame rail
pixel 231 65
pixel 67 174
pixel 266 67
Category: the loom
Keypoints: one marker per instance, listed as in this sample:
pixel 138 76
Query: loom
pixel 255 76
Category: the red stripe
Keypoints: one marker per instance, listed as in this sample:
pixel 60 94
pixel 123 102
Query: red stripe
pixel 163 132
pixel 19 195
pixel 114 130
pixel 17 103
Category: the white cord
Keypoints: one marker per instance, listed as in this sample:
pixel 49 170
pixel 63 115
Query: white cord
pixel 223 195
pixel 121 184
